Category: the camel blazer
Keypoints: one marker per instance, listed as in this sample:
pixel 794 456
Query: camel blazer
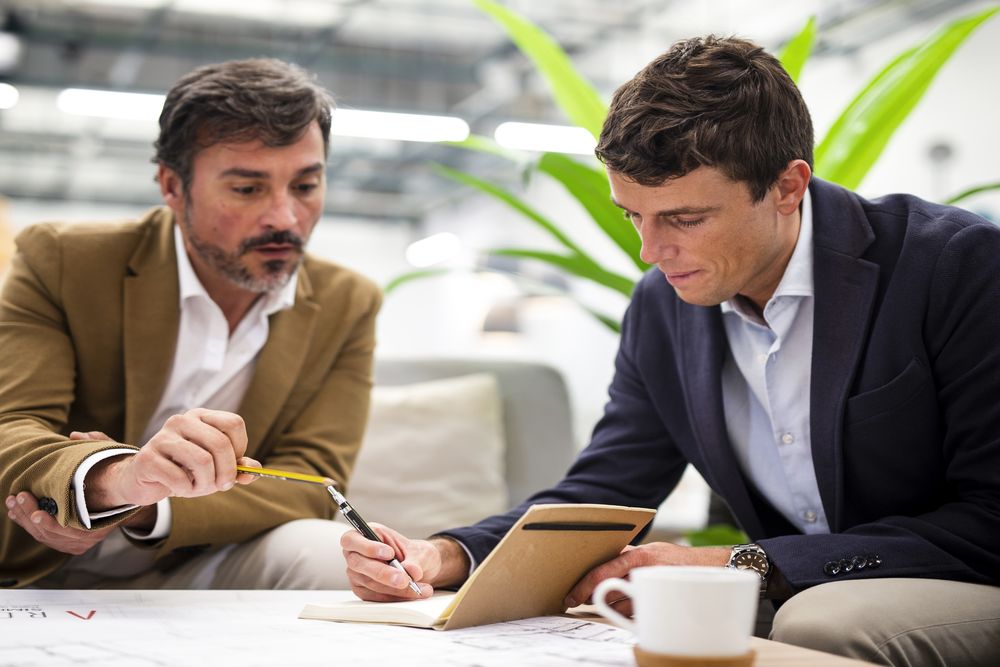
pixel 904 402
pixel 89 317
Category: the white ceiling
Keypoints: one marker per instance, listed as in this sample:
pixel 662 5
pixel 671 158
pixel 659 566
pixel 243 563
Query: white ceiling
pixel 423 56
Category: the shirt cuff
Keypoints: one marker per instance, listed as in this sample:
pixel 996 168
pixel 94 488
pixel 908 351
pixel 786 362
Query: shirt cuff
pixel 160 529
pixel 86 517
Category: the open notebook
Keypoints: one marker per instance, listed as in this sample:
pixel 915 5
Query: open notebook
pixel 528 574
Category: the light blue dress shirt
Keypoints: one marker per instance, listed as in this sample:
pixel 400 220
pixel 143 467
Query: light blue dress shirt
pixel 766 387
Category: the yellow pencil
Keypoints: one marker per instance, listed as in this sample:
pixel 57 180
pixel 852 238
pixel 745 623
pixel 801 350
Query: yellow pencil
pixel 285 474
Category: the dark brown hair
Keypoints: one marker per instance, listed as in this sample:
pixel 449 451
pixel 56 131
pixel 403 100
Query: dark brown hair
pixel 239 100
pixel 708 101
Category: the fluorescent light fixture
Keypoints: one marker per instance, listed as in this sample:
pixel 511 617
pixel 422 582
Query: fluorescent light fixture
pixel 399 126
pixel 110 104
pixel 8 96
pixel 433 250
pixel 549 138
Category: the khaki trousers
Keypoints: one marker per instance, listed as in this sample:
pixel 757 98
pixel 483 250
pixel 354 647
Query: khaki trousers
pixel 299 555
pixel 901 622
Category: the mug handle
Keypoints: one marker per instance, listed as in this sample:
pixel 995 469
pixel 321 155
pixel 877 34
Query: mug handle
pixel 605 609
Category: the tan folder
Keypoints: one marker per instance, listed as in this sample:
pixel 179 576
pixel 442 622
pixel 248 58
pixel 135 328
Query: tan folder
pixel 539 561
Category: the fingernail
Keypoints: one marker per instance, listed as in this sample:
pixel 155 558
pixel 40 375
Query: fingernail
pixel 10 502
pixel 227 486
pixel 397 580
pixel 20 500
pixel 36 518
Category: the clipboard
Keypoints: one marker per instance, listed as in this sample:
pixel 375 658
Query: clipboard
pixel 540 559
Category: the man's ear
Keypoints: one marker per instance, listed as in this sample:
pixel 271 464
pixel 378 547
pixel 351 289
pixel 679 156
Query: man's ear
pixel 791 186
pixel 171 188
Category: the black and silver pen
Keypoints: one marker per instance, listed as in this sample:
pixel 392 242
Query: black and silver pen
pixel 359 524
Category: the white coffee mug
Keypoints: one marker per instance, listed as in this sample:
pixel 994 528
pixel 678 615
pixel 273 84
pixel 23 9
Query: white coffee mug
pixel 687 610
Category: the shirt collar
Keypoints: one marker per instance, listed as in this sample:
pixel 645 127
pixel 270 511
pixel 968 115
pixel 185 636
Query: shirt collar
pixel 191 287
pixel 798 277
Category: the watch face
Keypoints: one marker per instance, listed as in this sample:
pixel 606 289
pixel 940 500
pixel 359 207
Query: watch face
pixel 751 560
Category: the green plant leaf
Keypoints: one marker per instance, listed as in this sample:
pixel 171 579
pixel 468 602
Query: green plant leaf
pixel 575 95
pixel 590 187
pixel 718 534
pixel 577 265
pixel 404 278
pixel 512 201
pixel 965 194
pixel 795 54
pixel 858 137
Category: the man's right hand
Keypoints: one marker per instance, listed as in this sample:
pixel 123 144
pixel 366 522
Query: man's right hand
pixel 431 563
pixel 194 454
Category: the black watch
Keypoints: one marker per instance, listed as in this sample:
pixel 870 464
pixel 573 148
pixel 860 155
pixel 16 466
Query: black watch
pixel 751 557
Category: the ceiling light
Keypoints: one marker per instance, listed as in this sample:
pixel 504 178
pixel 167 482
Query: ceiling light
pixel 8 96
pixel 399 126
pixel 433 250
pixel 548 138
pixel 110 104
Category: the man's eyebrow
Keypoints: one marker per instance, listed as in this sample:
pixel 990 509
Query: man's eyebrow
pixel 243 172
pixel 682 210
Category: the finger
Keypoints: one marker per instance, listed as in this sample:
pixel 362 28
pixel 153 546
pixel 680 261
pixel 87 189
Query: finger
pixel 379 575
pixel 217 473
pixel 229 423
pixel 581 592
pixel 89 435
pixel 404 592
pixel 354 542
pixel 245 477
pixel 623 607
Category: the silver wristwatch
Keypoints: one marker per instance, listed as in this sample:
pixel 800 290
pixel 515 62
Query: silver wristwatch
pixel 751 557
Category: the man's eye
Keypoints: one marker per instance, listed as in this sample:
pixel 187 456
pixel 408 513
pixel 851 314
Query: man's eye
pixel 692 222
pixel 306 188
pixel 630 216
pixel 245 189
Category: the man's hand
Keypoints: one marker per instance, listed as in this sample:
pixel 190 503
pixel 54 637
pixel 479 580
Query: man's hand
pixel 654 553
pixel 437 562
pixel 194 454
pixel 23 510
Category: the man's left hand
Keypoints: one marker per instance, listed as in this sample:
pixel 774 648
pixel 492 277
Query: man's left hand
pixel 23 510
pixel 654 553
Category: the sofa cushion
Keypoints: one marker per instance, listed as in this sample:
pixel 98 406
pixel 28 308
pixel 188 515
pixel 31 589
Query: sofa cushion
pixel 432 456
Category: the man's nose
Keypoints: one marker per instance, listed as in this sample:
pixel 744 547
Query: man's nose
pixel 656 245
pixel 281 212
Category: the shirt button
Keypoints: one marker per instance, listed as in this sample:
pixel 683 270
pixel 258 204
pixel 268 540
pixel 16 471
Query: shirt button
pixel 762 357
pixel 787 438
pixel 809 516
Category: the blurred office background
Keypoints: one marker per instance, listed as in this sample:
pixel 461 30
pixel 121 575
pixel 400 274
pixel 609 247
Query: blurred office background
pixel 61 161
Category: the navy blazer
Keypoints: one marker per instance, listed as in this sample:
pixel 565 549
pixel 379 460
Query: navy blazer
pixel 904 402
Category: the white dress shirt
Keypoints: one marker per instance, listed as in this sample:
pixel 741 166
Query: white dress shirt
pixel 766 387
pixel 211 369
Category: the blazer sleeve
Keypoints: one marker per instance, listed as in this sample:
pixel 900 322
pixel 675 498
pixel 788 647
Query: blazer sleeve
pixel 631 459
pixel 957 536
pixel 37 384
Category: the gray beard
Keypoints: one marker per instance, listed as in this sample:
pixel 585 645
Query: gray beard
pixel 228 265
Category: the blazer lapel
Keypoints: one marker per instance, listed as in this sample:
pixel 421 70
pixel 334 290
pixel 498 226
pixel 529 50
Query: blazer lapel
pixel 150 320
pixel 845 288
pixel 702 349
pixel 279 363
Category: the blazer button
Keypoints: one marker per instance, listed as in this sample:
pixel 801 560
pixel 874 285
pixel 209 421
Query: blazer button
pixel 846 565
pixel 48 505
pixel 8 583
pixel 832 568
pixel 874 560
pixel 859 563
